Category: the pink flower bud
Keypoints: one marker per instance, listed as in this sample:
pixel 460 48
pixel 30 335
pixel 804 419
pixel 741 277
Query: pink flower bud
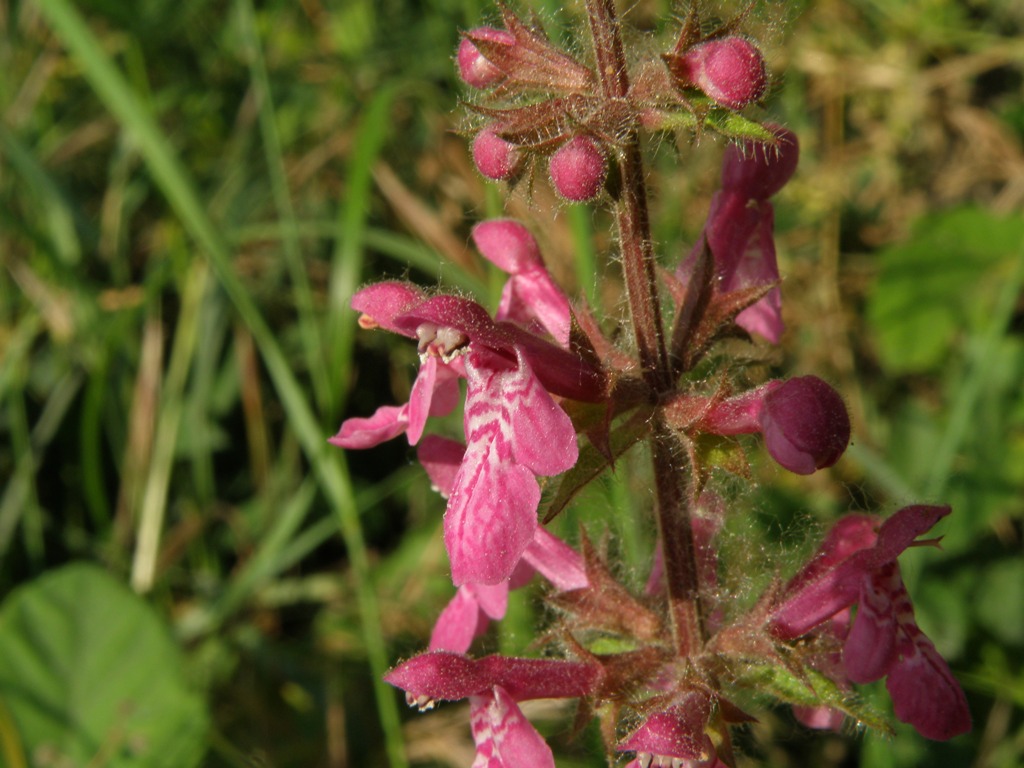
pixel 495 158
pixel 476 70
pixel 757 171
pixel 578 169
pixel 730 70
pixel 805 425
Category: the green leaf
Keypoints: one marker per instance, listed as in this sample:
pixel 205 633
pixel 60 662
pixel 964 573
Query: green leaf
pixel 939 282
pixel 91 675
pixel 1000 600
pixel 811 689
pixel 592 462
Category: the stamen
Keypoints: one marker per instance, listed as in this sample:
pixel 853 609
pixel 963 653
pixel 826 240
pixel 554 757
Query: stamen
pixel 446 343
pixel 423 702
pixel 451 341
pixel 425 335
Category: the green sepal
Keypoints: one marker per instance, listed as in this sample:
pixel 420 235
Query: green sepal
pixel 722 452
pixel 736 126
pixel 809 688
pixel 706 115
pixel 608 645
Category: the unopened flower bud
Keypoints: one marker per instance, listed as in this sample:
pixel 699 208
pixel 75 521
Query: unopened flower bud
pixel 495 158
pixel 805 424
pixel 730 70
pixel 476 70
pixel 756 170
pixel 578 169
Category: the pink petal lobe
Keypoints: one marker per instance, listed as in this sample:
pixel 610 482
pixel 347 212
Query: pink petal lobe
pixel 490 517
pixel 678 732
pixel 441 458
pixel 901 529
pixel 533 298
pixel 504 737
pixel 438 675
pixel 562 372
pixel 459 623
pixel 543 437
pixel 820 718
pixel 870 647
pixel 434 393
pixel 383 302
pixel 491 514
pixel 513 430
pixel 924 692
pixel 387 422
pixel 492 598
pixel 556 561
pixel 508 245
pixel 458 313
pixel 757 265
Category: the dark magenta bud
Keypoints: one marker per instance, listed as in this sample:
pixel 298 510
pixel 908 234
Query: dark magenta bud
pixel 495 158
pixel 730 70
pixel 757 170
pixel 578 169
pixel 474 68
pixel 805 424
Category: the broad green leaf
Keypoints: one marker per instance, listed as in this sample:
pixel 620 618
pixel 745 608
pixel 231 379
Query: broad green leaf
pixel 91 676
pixel 1000 600
pixel 939 283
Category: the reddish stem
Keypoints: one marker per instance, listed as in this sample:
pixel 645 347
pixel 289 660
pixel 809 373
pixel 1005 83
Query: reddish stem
pixel 670 464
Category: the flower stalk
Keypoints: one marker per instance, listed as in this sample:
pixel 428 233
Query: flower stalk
pixel 638 264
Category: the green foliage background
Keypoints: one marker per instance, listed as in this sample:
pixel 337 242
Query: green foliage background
pixel 190 192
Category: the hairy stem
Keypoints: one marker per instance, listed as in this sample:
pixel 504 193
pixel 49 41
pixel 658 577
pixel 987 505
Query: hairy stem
pixel 631 208
pixel 673 509
pixel 670 464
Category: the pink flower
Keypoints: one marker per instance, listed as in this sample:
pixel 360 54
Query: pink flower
pixel 740 229
pixel 434 393
pixel 674 734
pixel 495 158
pixel 503 736
pixel 758 171
pixel 514 431
pixel 730 70
pixel 803 420
pixel 530 297
pixel 494 685
pixel 474 606
pixel 514 428
pixel 578 169
pixel 476 70
pixel 857 565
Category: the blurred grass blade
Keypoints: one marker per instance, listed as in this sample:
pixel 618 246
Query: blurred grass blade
pixel 405 251
pixel 47 195
pixel 154 498
pixel 581 225
pixel 309 331
pixel 72 30
pixel 347 261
